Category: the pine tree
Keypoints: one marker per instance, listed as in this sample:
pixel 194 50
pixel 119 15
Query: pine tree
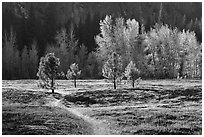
pixel 132 73
pixel 48 70
pixel 112 68
pixel 73 73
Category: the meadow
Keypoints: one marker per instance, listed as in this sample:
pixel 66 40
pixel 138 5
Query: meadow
pixel 154 107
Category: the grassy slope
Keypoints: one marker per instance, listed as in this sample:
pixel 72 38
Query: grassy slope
pixel 26 113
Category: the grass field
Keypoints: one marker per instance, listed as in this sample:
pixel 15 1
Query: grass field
pixel 167 107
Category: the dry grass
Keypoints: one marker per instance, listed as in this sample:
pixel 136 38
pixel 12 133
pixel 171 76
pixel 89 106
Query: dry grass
pixel 167 107
pixel 152 108
pixel 43 120
pixel 26 113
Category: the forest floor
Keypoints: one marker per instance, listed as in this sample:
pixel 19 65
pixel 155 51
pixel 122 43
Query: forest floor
pixel 167 107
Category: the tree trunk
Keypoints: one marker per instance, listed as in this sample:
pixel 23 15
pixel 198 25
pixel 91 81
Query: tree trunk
pixel 181 69
pixel 75 83
pixel 196 69
pixel 155 71
pixel 133 83
pixel 114 83
pixel 52 86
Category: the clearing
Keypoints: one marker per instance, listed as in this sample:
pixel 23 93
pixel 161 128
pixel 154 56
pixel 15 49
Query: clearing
pixel 167 107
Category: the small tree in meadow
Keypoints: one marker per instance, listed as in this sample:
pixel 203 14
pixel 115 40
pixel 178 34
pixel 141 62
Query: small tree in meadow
pixel 112 68
pixel 48 70
pixel 73 73
pixel 132 73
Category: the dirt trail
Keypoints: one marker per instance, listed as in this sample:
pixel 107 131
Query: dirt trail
pixel 99 127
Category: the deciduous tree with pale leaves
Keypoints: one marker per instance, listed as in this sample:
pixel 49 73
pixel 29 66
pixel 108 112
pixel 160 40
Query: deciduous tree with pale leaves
pixel 73 73
pixel 189 52
pixel 120 36
pixel 132 73
pixel 112 68
pixel 162 47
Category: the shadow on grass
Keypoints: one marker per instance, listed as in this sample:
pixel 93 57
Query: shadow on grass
pixel 26 96
pixel 143 95
pixel 41 120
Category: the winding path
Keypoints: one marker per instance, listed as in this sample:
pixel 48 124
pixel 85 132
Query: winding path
pixel 99 127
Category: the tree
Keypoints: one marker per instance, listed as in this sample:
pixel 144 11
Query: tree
pixel 65 48
pixel 10 56
pixel 112 68
pixel 132 73
pixel 105 39
pixel 29 62
pixel 18 64
pixel 118 36
pixel 48 70
pixel 188 53
pixel 73 73
pixel 162 47
pixel 25 63
pixel 33 57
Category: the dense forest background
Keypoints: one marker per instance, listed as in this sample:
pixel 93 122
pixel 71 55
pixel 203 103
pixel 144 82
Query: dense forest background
pixel 73 30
